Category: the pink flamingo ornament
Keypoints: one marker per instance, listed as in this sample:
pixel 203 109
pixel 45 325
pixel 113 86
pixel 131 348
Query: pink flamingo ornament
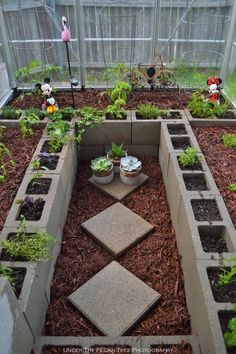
pixel 65 34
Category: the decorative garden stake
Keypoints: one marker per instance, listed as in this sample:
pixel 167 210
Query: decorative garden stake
pixel 214 88
pixel 66 37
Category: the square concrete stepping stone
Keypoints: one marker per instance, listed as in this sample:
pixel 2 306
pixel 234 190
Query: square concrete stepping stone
pixel 117 228
pixel 114 299
pixel 116 188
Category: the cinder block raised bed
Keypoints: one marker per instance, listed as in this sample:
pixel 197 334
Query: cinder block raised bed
pixel 207 122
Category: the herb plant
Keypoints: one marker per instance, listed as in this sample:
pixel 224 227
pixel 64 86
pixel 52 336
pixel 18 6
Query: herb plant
pixel 31 247
pixel 118 97
pixel 6 273
pixel 230 336
pixel 10 113
pixel 58 132
pixel 232 187
pixel 31 117
pixel 229 140
pixel 4 156
pixel 148 111
pixel 188 157
pixel 89 116
pixel 116 151
pixel 101 164
pixel 226 276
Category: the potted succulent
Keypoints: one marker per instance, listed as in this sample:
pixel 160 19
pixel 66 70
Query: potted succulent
pixel 103 171
pixel 130 170
pixel 115 153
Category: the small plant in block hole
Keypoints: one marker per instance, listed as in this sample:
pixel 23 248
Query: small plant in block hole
pixel 6 272
pixel 118 97
pixel 148 111
pixel 58 132
pixel 188 157
pixel 10 113
pixel 230 335
pixel 30 208
pixel 89 116
pixel 44 161
pixel 30 247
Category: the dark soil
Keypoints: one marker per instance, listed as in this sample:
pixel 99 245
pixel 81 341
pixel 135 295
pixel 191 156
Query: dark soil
pixel 21 151
pixel 39 186
pixel 7 257
pixel 205 210
pixel 213 243
pixel 176 129
pixel 228 115
pixel 18 275
pixel 140 116
pixel 224 317
pixel 222 293
pixel 172 115
pixel 33 212
pixel 180 143
pixel 154 260
pixel 92 97
pixel 221 160
pixel 46 148
pixel 49 162
pixel 195 183
pixel 196 166
pixel 184 348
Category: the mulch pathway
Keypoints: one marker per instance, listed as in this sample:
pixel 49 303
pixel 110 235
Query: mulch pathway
pixel 221 160
pixel 95 98
pixel 155 260
pixel 21 152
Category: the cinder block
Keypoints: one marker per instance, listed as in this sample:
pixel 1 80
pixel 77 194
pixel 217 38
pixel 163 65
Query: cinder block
pixel 205 122
pixel 15 334
pixel 89 152
pixel 146 131
pixel 142 150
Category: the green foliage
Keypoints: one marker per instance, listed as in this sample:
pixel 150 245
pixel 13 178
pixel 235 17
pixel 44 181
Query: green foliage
pixel 230 336
pixel 202 108
pixel 229 140
pixel 116 151
pixel 89 116
pixel 10 113
pixel 58 132
pixel 232 187
pixel 5 155
pixel 101 164
pixel 118 97
pixel 31 117
pixel 188 157
pixel 31 247
pixel 148 111
pixel 115 73
pixel 2 127
pixel 67 112
pixel 6 272
pixel 226 276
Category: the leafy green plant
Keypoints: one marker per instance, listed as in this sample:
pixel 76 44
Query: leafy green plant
pixel 101 164
pixel 118 97
pixel 10 113
pixel 6 272
pixel 33 247
pixel 58 132
pixel 2 127
pixel 148 111
pixel 4 156
pixel 116 151
pixel 188 157
pixel 226 276
pixel 67 113
pixel 31 117
pixel 232 187
pixel 89 116
pixel 229 140
pixel 230 336
pixel 202 108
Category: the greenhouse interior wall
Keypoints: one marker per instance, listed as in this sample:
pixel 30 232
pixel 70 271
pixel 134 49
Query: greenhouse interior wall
pixel 196 39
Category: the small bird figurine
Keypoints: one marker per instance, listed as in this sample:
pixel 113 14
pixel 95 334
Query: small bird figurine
pixel 65 34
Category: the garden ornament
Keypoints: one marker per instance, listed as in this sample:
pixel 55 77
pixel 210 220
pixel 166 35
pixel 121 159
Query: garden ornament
pixel 49 104
pixel 214 89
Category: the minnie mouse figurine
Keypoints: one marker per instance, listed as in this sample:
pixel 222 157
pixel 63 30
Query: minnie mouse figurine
pixel 214 89
pixel 49 104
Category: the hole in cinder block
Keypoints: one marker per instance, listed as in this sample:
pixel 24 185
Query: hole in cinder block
pixel 176 129
pixel 181 348
pixel 181 143
pixel 32 211
pixel 222 293
pixel 215 238
pixel 224 318
pixel 205 210
pixel 39 186
pixel 195 182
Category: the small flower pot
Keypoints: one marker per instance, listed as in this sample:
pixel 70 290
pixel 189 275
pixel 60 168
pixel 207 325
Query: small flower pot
pixel 130 177
pixel 116 163
pixel 104 177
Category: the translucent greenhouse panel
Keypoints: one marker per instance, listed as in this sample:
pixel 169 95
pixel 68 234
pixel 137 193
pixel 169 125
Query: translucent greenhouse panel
pixel 34 32
pixel 193 35
pixel 4 81
pixel 115 32
pixel 230 85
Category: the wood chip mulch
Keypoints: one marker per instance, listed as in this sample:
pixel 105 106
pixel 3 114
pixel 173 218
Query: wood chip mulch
pixel 221 160
pixel 97 98
pixel 155 260
pixel 21 151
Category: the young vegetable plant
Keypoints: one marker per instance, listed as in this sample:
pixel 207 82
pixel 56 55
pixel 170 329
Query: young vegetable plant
pixel 188 157
pixel 33 247
pixel 31 117
pixel 232 187
pixel 148 111
pixel 119 98
pixel 230 336
pixel 201 108
pixel 229 140
pixel 116 151
pixel 58 132
pixel 89 116
pixel 5 155
pixel 226 276
pixel 10 113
